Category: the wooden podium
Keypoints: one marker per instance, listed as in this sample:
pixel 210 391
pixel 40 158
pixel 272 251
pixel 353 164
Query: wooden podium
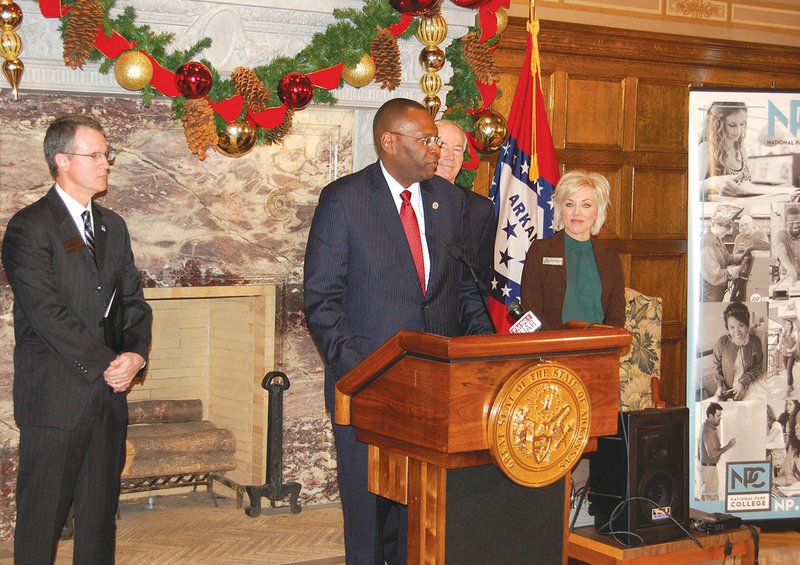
pixel 422 402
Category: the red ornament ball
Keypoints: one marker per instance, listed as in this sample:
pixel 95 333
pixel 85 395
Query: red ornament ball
pixel 413 7
pixel 193 80
pixel 296 91
pixel 470 3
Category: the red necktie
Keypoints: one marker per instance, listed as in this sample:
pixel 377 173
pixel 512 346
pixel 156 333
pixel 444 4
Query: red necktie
pixel 411 227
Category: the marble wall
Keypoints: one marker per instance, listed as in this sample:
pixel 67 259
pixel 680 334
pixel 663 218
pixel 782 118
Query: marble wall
pixel 222 221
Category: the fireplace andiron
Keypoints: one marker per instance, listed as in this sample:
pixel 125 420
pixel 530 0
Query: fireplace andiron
pixel 275 382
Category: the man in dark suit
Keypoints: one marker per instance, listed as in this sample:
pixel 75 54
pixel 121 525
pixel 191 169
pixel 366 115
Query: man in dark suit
pixel 362 285
pixel 69 386
pixel 479 216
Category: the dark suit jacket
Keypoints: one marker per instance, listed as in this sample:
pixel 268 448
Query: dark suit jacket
pixel 361 286
pixel 60 297
pixel 544 286
pixel 481 225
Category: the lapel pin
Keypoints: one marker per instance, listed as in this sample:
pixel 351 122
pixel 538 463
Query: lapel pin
pixel 435 205
pixel 102 228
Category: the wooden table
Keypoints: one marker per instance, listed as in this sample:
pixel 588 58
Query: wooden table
pixel 585 544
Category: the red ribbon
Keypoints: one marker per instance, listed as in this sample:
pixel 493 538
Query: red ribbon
pixel 230 108
pixel 400 27
pixel 488 21
pixel 488 18
pixel 488 93
pixel 163 80
pixel 327 78
pixel 112 46
pixel 53 8
pixel 269 118
pixel 473 163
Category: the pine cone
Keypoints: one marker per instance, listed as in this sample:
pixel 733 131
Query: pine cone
pixel 85 17
pixel 251 88
pixel 386 54
pixel 479 59
pixel 198 126
pixel 435 10
pixel 276 135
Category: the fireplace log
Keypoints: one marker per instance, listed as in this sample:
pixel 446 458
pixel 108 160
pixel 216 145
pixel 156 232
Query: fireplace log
pixel 168 463
pixel 178 438
pixel 164 411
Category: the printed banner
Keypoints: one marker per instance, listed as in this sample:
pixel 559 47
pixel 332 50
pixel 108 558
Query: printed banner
pixel 743 388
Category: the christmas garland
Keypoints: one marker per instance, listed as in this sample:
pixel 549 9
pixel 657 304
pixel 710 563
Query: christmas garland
pixel 210 106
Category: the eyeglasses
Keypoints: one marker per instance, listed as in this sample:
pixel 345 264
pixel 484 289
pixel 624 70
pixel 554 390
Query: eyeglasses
pixel 428 140
pixel 97 156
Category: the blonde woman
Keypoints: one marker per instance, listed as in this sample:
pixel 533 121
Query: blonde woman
pixel 573 275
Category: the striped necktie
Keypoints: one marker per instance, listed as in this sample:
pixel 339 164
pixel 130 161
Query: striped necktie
pixel 88 233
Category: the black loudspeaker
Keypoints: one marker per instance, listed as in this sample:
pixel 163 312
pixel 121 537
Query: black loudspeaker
pixel 639 478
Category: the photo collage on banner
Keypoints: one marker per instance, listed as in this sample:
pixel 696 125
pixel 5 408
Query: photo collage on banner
pixel 743 371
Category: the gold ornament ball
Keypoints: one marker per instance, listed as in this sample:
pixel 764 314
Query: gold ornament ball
pixel 362 74
pixel 133 70
pixel 237 140
pixel 432 30
pixel 10 15
pixel 10 44
pixel 502 19
pixel 491 131
pixel 430 83
pixel 432 59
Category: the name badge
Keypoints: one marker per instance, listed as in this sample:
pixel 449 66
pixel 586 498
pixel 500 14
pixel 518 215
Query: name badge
pixel 554 261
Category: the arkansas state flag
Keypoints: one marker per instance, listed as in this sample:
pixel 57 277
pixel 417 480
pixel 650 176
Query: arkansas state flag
pixel 522 189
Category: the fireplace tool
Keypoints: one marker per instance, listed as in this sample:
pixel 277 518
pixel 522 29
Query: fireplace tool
pixel 275 382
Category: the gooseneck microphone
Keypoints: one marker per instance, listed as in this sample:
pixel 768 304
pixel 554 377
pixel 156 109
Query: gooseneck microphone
pixel 457 254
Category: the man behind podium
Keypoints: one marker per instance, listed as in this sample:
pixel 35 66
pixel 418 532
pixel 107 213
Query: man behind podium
pixel 480 220
pixel 362 285
pixel 69 386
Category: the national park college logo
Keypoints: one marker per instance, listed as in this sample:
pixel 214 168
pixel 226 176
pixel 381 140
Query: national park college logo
pixel 539 424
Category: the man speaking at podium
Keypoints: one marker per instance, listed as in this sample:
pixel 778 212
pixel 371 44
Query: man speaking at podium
pixel 381 258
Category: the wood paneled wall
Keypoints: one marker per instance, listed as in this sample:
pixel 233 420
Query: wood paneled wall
pixel 618 104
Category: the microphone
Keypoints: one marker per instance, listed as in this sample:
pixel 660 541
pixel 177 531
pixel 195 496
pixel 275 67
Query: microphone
pixel 526 322
pixel 458 255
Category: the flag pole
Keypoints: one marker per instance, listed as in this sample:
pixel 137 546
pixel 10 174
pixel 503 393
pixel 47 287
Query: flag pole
pixel 533 30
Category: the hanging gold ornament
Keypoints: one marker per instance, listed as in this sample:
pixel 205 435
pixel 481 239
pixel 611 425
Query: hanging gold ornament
pixel 362 74
pixel 13 69
pixel 432 104
pixel 431 32
pixel 491 131
pixel 11 44
pixel 133 70
pixel 238 139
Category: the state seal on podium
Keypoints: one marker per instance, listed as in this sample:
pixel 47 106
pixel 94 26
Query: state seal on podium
pixel 539 424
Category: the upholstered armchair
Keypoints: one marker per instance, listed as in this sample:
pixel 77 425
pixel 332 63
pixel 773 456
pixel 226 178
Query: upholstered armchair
pixel 640 369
